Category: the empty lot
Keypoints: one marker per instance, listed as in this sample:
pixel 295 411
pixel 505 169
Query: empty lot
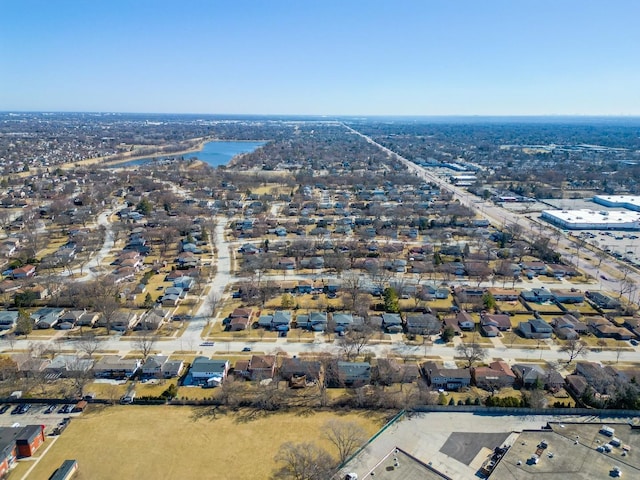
pixel 165 442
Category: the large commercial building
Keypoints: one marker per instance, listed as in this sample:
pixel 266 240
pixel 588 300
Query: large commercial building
pixel 630 202
pixel 593 219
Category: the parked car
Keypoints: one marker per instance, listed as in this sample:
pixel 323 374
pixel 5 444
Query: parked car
pixel 4 408
pixel 24 408
pixel 633 342
pixel 50 409
pixel 246 349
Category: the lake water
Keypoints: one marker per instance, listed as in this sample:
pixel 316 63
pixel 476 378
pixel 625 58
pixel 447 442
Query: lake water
pixel 213 153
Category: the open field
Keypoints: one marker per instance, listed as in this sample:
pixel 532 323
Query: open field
pixel 167 442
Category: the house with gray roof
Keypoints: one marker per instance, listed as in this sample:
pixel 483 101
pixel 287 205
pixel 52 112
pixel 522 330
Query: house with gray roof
pixel 423 324
pixel 152 367
pixel 353 374
pixel 46 317
pixel 206 371
pixel 114 366
pixel 8 319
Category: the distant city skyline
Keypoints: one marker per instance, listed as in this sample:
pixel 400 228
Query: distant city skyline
pixel 424 58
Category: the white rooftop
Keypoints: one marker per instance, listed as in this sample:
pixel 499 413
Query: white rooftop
pixel 628 201
pixel 613 218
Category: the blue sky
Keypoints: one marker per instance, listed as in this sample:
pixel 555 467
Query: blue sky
pixel 360 57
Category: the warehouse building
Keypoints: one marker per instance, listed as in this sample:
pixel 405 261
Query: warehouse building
pixel 630 202
pixel 593 219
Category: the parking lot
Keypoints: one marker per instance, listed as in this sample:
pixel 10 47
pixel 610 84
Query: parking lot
pixel 35 415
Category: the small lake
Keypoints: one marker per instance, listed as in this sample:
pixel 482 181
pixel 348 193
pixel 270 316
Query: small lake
pixel 213 153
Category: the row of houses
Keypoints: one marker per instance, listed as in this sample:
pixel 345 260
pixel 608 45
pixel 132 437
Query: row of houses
pixel 108 366
pixel 62 319
pixel 301 372
pixel 496 375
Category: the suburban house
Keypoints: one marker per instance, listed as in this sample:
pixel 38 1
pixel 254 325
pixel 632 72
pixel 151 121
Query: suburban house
pixel 576 384
pixel 496 375
pixel 240 319
pixel 46 317
pixel 88 319
pixel 568 296
pixel 152 320
pixel 153 365
pixel 388 371
pixel 281 320
pixel 504 294
pixel 446 378
pixel 28 365
pixel 315 321
pixel 262 367
pixel 8 319
pixel 631 323
pixel 26 271
pixel 351 374
pixel 602 379
pixel 342 321
pixel 301 372
pixel 538 268
pixel 113 366
pixel 423 324
pixel 172 368
pixel 527 375
pixel 557 270
pixel 185 283
pixel 535 328
pixel 451 322
pixel 69 319
pixel 492 324
pixel 287 263
pixel 123 320
pixel 68 365
pixel 537 295
pixel 392 322
pixel 465 321
pixel 205 371
pixel 603 328
pixel 603 301
pixel 568 327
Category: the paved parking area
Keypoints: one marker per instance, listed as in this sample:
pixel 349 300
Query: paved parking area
pixel 35 416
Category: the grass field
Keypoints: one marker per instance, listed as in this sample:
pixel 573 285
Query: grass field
pixel 168 442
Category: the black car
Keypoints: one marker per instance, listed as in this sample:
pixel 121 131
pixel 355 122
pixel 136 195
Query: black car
pixel 4 408
pixel 50 409
pixel 16 410
pixel 62 409
pixel 24 408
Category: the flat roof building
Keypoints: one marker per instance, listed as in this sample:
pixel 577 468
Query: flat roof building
pixel 630 202
pixel 593 220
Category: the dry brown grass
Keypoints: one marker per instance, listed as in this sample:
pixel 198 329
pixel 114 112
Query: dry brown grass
pixel 168 442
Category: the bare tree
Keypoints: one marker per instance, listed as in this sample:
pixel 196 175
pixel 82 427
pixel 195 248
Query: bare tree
pixel 145 341
pixel 574 348
pixel 89 343
pixel 345 436
pixel 472 352
pixel 105 300
pixel 211 303
pixel 354 341
pixel 80 376
pixel 11 339
pixel 303 461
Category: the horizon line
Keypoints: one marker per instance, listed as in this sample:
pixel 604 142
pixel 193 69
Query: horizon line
pixel 342 115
